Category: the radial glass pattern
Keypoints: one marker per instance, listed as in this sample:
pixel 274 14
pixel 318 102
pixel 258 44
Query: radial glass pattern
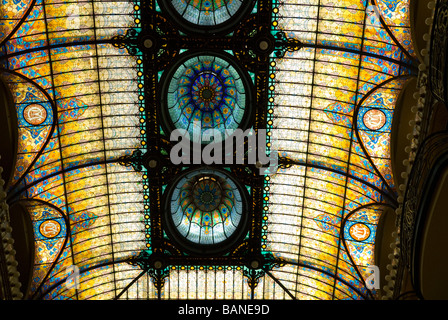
pixel 208 12
pixel 206 91
pixel 206 207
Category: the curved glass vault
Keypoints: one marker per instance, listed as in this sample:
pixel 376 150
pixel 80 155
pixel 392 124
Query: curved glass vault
pixel 95 108
pixel 206 208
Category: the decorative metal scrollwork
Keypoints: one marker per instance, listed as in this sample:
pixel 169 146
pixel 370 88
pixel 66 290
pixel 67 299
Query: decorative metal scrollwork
pixel 129 41
pixel 154 266
pixel 155 40
pixel 135 160
pixel 284 44
pixel 438 57
pixel 158 42
pixel 258 267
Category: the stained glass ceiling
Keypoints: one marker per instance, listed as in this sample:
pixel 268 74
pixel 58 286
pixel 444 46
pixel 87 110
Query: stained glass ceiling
pixel 92 166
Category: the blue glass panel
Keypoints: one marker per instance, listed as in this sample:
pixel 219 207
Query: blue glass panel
pixel 206 91
pixel 206 206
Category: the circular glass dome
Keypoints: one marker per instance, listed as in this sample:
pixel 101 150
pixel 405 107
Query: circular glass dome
pixel 207 16
pixel 208 91
pixel 205 210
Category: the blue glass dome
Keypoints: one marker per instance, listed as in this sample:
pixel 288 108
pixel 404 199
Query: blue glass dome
pixel 206 207
pixel 208 13
pixel 206 90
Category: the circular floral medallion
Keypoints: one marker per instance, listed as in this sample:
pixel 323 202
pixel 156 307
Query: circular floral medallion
pixel 374 119
pixel 206 92
pixel 207 193
pixel 35 114
pixel 206 207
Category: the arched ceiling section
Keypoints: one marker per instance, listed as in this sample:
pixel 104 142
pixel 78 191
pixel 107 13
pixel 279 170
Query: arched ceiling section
pixel 74 95
pixel 329 99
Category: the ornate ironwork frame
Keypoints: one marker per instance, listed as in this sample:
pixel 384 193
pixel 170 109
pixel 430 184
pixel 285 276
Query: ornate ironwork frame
pixel 158 42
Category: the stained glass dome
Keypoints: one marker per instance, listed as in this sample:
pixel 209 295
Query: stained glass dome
pixel 207 15
pixel 205 207
pixel 206 90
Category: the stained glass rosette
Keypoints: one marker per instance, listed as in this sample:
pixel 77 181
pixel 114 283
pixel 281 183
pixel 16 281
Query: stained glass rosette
pixel 75 95
pixel 205 208
pixel 207 15
pixel 206 92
